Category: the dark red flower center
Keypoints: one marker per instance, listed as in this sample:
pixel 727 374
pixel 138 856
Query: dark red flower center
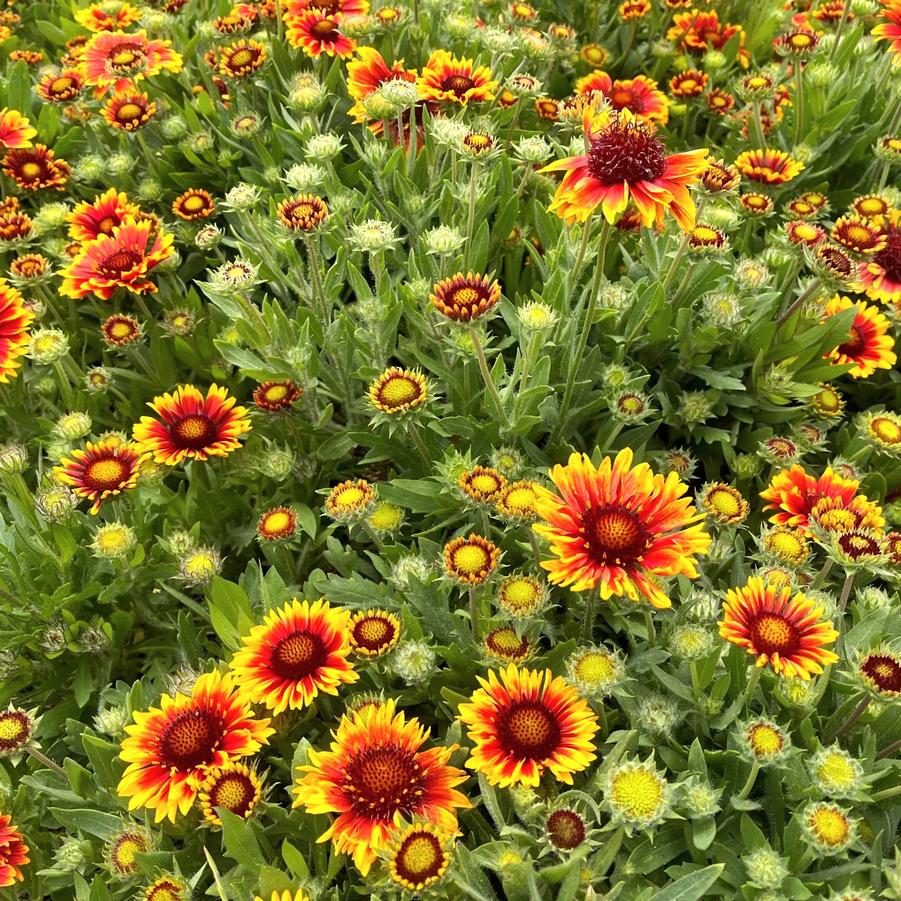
pixel 384 781
pixel 373 632
pixel 626 98
pixel 194 431
pixel 856 545
pixel 457 84
pixel 626 152
pixel 528 730
pixel 772 633
pixel 105 474
pixel 298 655
pixel 889 258
pixel 15 729
pixel 614 535
pixel 234 792
pixel 190 739
pixel 325 30
pixel 565 829
pixel 119 261
pixel 855 344
pixel 883 670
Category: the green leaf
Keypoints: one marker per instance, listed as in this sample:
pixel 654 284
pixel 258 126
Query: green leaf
pixel 240 842
pixel 692 886
pixel 93 822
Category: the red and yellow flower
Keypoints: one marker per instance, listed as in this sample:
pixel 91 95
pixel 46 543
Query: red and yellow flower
pixel 193 204
pixel 619 527
pixel 639 95
pixel 447 79
pixel 793 493
pixel 376 776
pixel 769 167
pixel 525 723
pixel 128 109
pixel 13 853
pixel 192 426
pixel 626 162
pixel 696 32
pixel 172 749
pixel 890 29
pixel 316 32
pixel 374 633
pixel 337 8
pixel 780 630
pixel 121 259
pixel 101 470
pixel 297 652
pixel 62 87
pixel 235 787
pixel 91 219
pixel 879 277
pixel 870 342
pixel 36 168
pixel 15 318
pixel 16 131
pixel 114 59
pixel 107 16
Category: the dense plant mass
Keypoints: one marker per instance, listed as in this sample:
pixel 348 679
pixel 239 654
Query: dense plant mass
pixel 450 450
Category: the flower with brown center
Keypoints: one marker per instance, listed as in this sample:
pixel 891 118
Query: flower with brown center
pixel 235 787
pixel 419 856
pixel 397 391
pixel 62 87
pixel 858 234
pixel 277 524
pixel 274 397
pixel 506 644
pixel 35 168
pixel 129 110
pixel 101 470
pixel 465 298
pixel 518 501
pixel 481 484
pixel 119 330
pixel 241 58
pixel 723 503
pixel 880 672
pixel 316 32
pixel 446 79
pixel 350 500
pixel 193 204
pixel 373 633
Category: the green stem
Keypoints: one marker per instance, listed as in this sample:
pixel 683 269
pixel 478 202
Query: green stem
pixel 486 377
pixel 420 444
pixel 801 299
pixel 753 679
pixel 576 359
pixel 318 288
pixel 471 215
pixel 799 100
pixel 846 591
pixel 758 127
pixel 588 623
pixel 849 720
pixel 749 783
pixel 680 252
pixel 474 615
pixel 649 627
pixel 888 750
pixel 44 759
pixel 887 793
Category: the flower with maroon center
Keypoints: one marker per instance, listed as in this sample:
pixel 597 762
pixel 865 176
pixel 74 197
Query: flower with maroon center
pixel 882 430
pixel 35 168
pixel 880 276
pixel 565 829
pixel 277 524
pixel 720 101
pixel 119 330
pixel 117 60
pixel 15 320
pixel 504 643
pixel 316 32
pixel 398 391
pixel 60 88
pixel 103 469
pixel 639 95
pixel 517 501
pixel 525 723
pixel 547 108
pixel 801 232
pixel 234 787
pixel 129 110
pixel 833 262
pixel 793 493
pixel 16 728
pixel 373 633
pixel 870 342
pixel 274 397
pixel 465 298
pixel 89 220
pixel 890 29
pixel 29 266
pixel 690 83
pixel 859 547
pixel 303 213
pixel 756 204
pixel 706 239
pixel 870 206
pixel 419 856
pixel 13 852
pixel 166 888
pixel 297 652
pixel 171 749
pixel 365 75
pixel 836 514
pixel 192 426
pixel 375 776
pixel 470 561
pixel 107 16
pixel 619 527
pixel 122 259
pixel 770 167
pixel 634 10
pixel 120 852
pixel 337 8
pixel 696 32
pixel 626 162
pixel 880 671
pixel 799 43
pixel 858 234
pixel 195 203
pixel 241 58
pixel 15 130
pixel 447 79
pixel 780 630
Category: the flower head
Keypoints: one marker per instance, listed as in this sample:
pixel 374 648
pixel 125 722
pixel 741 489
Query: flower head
pixel 870 341
pixel 234 787
pixel 447 79
pixel 637 796
pixel 619 527
pixel 525 723
pixel 465 298
pixel 15 319
pixel 780 630
pixel 101 470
